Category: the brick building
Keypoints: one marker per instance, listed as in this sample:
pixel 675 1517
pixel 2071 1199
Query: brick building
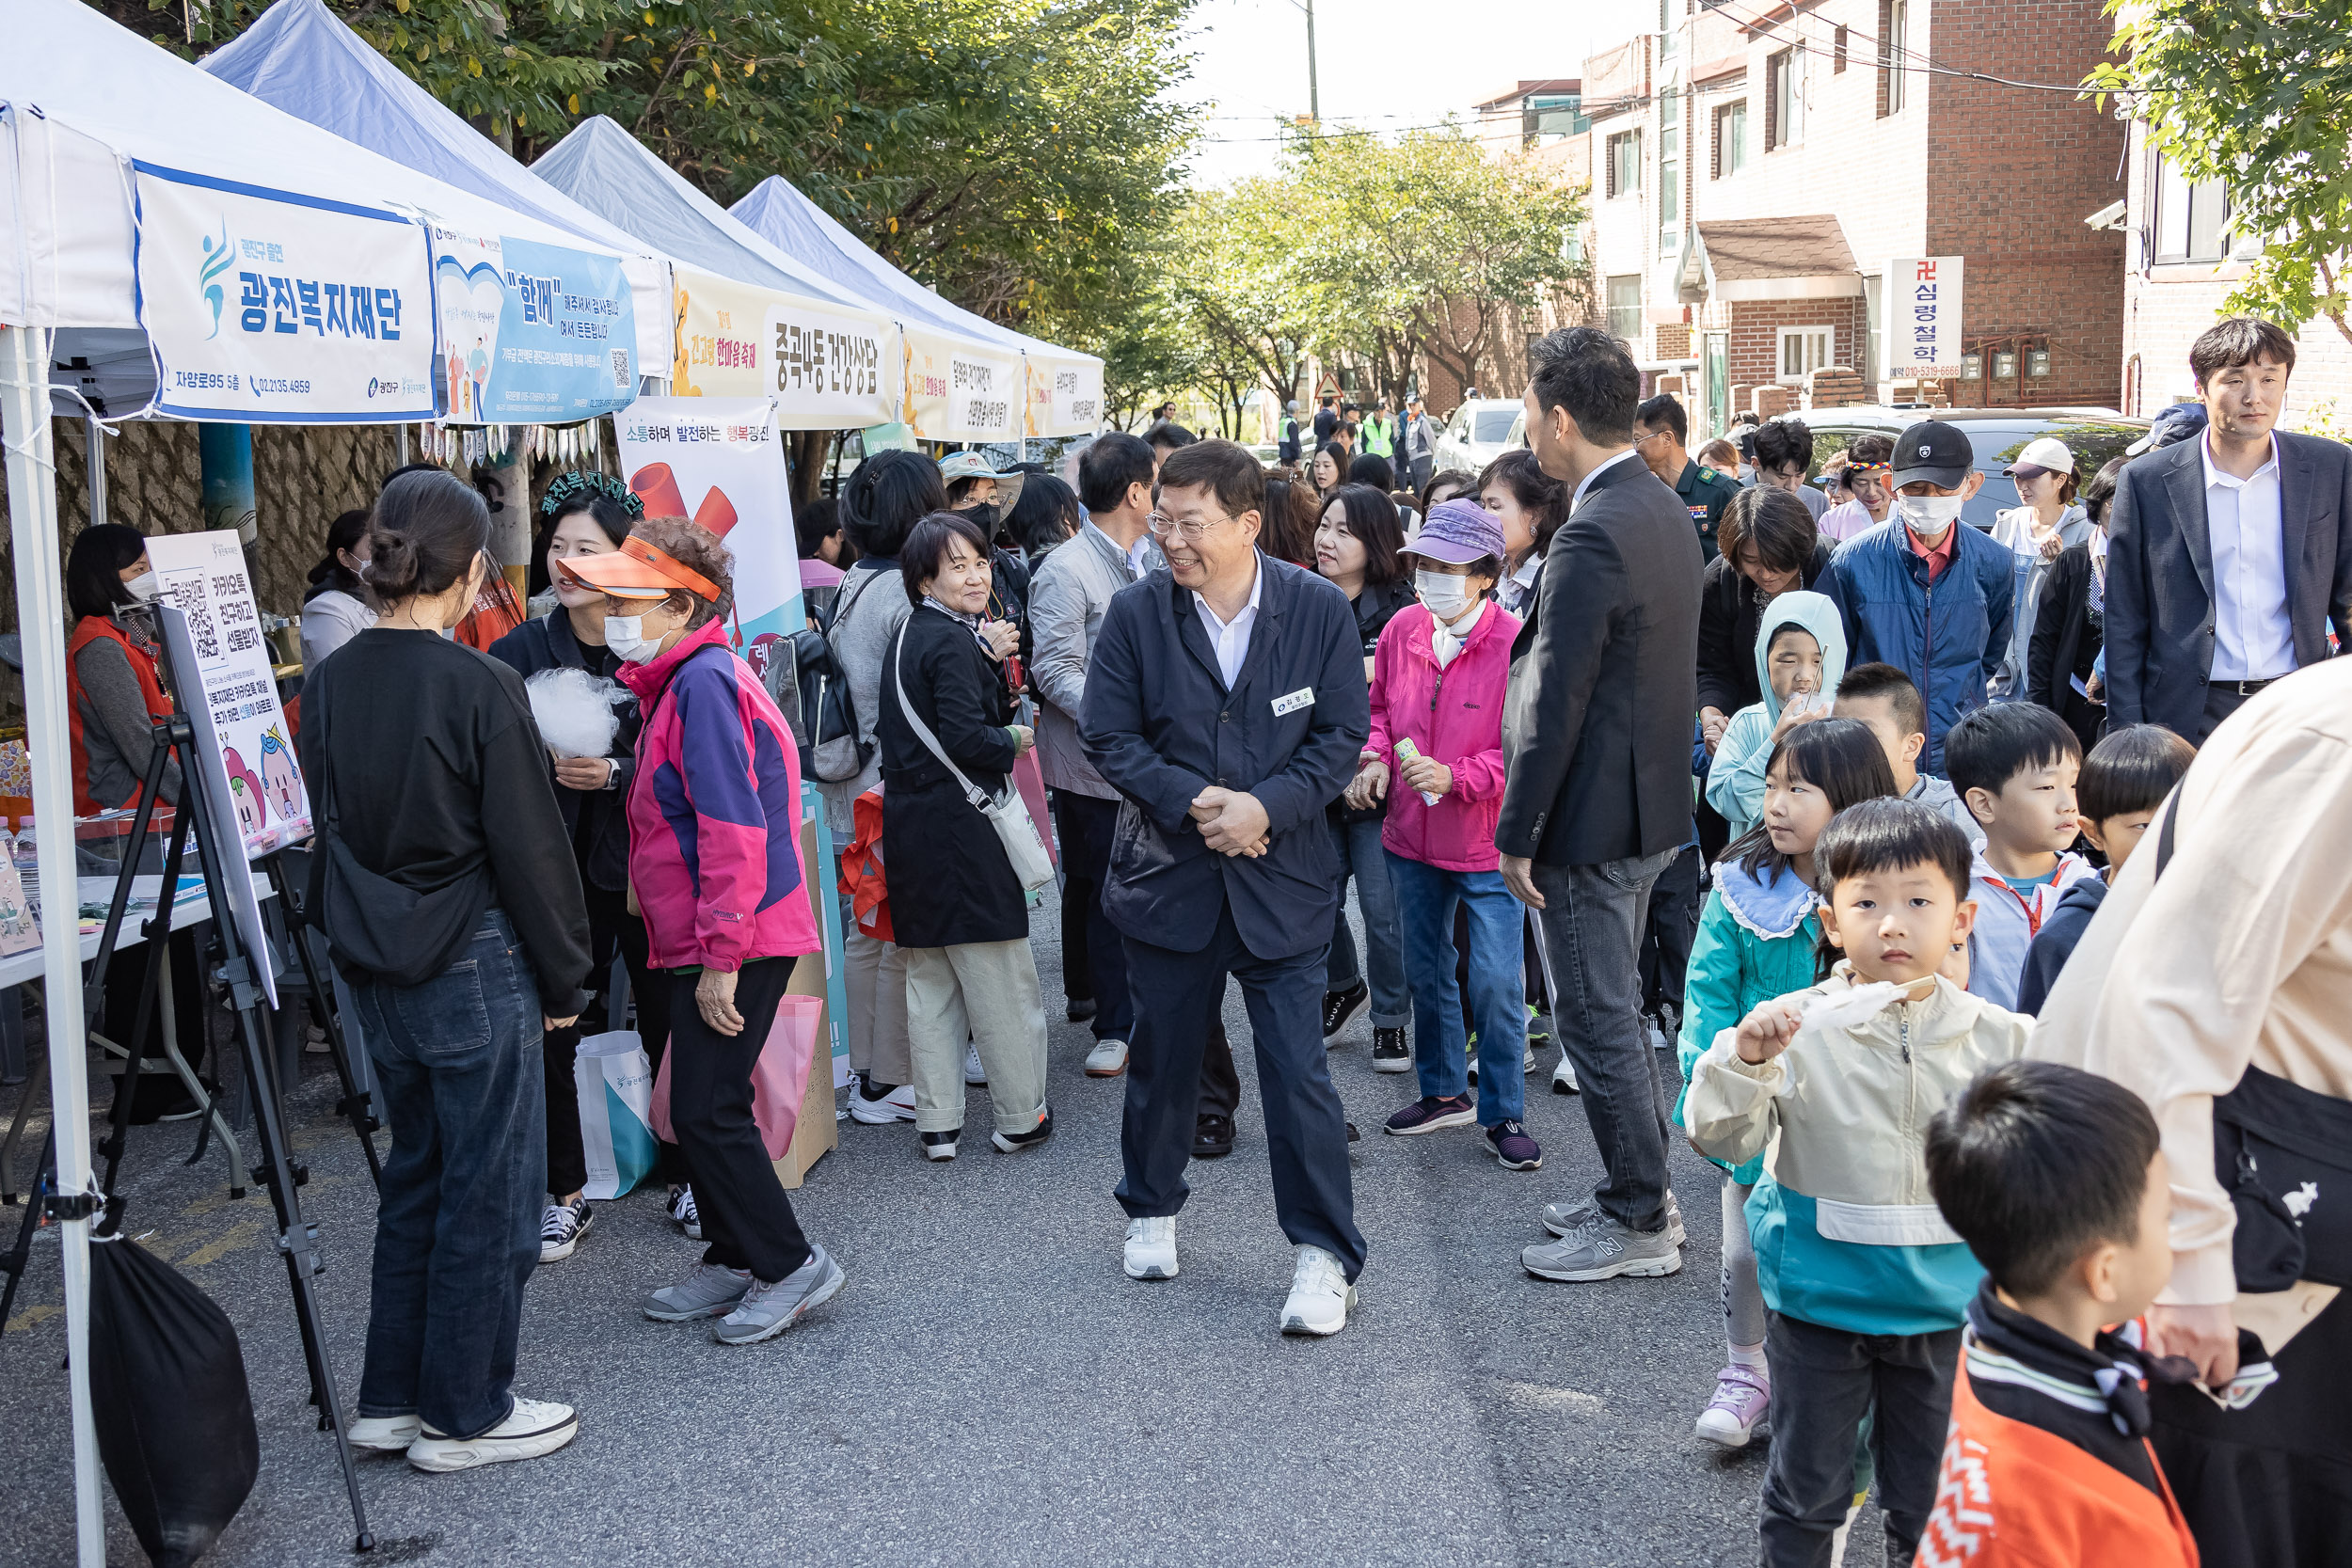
pixel 2181 262
pixel 1757 166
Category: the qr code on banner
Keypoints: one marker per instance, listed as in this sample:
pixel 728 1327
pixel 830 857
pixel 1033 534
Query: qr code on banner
pixel 193 604
pixel 620 369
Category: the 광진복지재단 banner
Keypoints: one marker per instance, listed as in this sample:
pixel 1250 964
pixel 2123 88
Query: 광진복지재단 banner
pixel 530 333
pixel 269 307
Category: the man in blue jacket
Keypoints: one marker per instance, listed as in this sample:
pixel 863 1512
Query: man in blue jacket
pixel 1925 592
pixel 1227 705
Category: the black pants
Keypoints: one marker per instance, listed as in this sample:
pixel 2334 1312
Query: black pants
pixel 1824 1382
pixel 1667 934
pixel 2220 701
pixel 1095 965
pixel 610 929
pixel 747 1219
pixel 1176 996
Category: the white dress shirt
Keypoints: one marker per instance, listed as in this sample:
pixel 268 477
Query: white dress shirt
pixel 1628 456
pixel 1231 639
pixel 2253 640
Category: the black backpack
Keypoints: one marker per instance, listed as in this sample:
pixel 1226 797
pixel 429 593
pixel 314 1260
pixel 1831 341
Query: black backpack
pixel 831 747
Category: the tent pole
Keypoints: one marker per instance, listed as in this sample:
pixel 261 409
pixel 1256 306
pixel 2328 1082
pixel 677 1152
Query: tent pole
pixel 94 461
pixel 32 469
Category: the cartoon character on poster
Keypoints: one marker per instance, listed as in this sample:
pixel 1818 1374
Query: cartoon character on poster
pixel 245 793
pixel 280 782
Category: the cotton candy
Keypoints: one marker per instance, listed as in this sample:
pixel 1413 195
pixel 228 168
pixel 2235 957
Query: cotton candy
pixel 1844 1009
pixel 575 711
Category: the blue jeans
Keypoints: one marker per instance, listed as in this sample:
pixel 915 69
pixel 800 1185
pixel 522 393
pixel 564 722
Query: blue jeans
pixel 1425 899
pixel 1358 846
pixel 458 1064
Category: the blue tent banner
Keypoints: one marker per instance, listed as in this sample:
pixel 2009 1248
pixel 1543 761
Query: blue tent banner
pixel 266 307
pixel 530 333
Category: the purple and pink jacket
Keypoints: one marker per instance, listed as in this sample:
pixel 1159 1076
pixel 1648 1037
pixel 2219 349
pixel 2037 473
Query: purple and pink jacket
pixel 1454 715
pixel 714 812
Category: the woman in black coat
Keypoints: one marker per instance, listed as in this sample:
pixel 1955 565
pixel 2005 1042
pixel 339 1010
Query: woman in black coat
pixel 2070 621
pixel 958 912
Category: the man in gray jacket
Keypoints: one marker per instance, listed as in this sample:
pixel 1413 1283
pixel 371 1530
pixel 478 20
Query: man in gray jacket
pixel 1067 599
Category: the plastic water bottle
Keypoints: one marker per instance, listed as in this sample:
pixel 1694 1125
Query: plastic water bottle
pixel 1406 752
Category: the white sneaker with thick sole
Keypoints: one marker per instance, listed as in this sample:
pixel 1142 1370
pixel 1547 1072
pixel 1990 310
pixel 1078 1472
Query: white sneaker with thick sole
pixel 1564 1077
pixel 384 1434
pixel 1320 1297
pixel 1151 1247
pixel 533 1427
pixel 897 1105
pixel 973 1072
pixel 1109 1059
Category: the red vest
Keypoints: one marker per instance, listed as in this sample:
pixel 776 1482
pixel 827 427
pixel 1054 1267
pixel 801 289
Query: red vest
pixel 86 631
pixel 2012 1495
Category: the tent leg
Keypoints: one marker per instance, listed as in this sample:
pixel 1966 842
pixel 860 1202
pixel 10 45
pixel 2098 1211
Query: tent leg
pixel 32 469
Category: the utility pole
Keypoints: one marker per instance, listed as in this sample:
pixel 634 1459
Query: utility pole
pixel 1315 94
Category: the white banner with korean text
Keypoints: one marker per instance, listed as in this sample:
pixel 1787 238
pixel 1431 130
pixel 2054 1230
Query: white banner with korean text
pixel 1922 316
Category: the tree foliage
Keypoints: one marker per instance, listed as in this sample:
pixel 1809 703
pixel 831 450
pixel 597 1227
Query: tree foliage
pixel 2257 94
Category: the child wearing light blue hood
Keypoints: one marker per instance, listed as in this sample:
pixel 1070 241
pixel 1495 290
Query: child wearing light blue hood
pixel 1800 653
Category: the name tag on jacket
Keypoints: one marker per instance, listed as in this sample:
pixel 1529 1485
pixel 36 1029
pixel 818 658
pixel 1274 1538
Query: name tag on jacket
pixel 1303 697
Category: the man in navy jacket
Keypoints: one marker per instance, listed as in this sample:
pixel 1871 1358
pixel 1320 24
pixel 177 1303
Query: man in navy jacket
pixel 1227 705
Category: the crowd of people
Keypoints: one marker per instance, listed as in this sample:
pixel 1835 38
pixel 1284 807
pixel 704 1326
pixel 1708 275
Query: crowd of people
pixel 1781 815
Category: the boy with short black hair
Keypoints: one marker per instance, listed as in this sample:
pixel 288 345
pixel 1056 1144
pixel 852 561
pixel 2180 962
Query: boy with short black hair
pixel 2123 784
pixel 2056 1180
pixel 2016 766
pixel 1868 1287
pixel 1883 698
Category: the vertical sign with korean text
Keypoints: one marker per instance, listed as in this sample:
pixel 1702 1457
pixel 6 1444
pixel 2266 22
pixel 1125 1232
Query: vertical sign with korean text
pixel 530 333
pixel 1065 395
pixel 958 391
pixel 1922 316
pixel 269 307
pixel 826 367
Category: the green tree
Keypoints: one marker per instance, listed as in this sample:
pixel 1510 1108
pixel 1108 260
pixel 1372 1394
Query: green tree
pixel 2257 94
pixel 1253 314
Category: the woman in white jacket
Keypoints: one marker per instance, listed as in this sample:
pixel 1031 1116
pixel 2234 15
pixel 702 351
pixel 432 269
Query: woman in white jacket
pixel 2035 533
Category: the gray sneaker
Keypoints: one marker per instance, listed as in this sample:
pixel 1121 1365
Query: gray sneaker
pixel 1603 1249
pixel 768 1310
pixel 1562 1218
pixel 708 1291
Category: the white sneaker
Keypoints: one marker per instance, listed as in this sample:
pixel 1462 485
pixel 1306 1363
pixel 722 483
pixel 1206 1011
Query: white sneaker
pixel 1564 1077
pixel 533 1427
pixel 1151 1247
pixel 973 1072
pixel 684 1215
pixel 1320 1294
pixel 1529 1064
pixel 897 1105
pixel 1109 1059
pixel 382 1433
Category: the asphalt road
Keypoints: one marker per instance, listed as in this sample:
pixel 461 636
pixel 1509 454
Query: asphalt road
pixel 991 1389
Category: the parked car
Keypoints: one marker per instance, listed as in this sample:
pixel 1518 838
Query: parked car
pixel 1477 433
pixel 1999 435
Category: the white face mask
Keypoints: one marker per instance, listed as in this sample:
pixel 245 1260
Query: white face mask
pixel 1446 594
pixel 1929 513
pixel 144 587
pixel 626 636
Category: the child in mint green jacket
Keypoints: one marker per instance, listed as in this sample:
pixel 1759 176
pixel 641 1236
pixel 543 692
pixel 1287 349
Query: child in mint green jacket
pixel 1758 939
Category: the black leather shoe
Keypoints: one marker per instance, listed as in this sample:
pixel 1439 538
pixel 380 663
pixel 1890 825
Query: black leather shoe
pixel 1341 1005
pixel 1080 1008
pixel 1354 1137
pixel 1213 1137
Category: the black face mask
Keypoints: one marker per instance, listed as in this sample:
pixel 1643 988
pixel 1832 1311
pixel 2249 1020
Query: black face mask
pixel 985 517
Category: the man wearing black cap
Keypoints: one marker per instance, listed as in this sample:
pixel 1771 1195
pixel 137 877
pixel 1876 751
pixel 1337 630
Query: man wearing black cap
pixel 1923 591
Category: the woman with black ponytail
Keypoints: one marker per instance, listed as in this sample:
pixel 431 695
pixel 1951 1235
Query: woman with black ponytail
pixel 446 885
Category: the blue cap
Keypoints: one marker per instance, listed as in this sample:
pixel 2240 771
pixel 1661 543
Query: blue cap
pixel 1459 533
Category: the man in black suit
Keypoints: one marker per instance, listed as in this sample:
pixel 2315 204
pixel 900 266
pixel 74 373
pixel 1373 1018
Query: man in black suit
pixel 1597 742
pixel 2228 555
pixel 1227 705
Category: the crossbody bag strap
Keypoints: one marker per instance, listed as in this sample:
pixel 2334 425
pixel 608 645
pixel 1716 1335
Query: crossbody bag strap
pixel 2165 834
pixel 972 792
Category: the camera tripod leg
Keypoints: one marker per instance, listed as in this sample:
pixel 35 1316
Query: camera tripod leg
pixel 21 1254
pixel 36 1091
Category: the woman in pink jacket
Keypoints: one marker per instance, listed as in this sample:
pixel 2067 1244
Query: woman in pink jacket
pixel 1436 728
pixel 714 860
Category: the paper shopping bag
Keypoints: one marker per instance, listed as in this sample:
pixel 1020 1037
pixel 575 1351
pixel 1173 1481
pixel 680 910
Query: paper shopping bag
pixel 615 1084
pixel 1026 774
pixel 779 1078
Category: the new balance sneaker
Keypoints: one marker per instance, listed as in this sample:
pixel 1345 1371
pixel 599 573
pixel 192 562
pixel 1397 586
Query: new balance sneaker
pixel 533 1427
pixel 1320 1296
pixel 1744 1396
pixel 1151 1247
pixel 896 1102
pixel 382 1433
pixel 1560 1218
pixel 1109 1059
pixel 1341 1005
pixel 1603 1249
pixel 1389 1054
pixel 941 1145
pixel 706 1291
pixel 973 1072
pixel 1514 1147
pixel 767 1310
pixel 684 1215
pixel 1013 1143
pixel 561 1226
pixel 1430 1113
pixel 1564 1077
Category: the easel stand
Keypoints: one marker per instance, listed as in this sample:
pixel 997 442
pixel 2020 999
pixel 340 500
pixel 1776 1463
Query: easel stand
pixel 297 1238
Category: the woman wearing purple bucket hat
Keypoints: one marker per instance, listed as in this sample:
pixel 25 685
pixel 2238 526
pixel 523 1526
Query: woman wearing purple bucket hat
pixel 1437 686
